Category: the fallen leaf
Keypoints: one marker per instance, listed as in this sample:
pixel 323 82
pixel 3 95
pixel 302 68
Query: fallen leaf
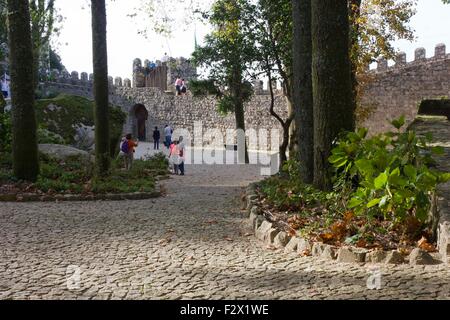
pixel 361 243
pixel 348 216
pixel 305 253
pixel 326 237
pixel 425 245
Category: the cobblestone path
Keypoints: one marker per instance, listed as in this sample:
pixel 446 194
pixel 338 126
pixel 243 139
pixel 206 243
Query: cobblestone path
pixel 191 244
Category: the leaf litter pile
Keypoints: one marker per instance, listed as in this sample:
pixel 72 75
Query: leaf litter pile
pixel 320 223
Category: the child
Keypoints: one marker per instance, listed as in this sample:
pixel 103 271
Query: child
pixel 128 148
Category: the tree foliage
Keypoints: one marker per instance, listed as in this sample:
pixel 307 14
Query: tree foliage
pixel 226 52
pixel 375 25
pixel 45 23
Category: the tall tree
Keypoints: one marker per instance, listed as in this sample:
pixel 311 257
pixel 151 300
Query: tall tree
pixel 25 150
pixel 302 86
pixel 43 16
pixel 101 92
pixel 332 88
pixel 227 54
pixel 44 24
pixel 267 26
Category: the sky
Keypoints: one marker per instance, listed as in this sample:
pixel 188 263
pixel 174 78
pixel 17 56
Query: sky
pixel 431 25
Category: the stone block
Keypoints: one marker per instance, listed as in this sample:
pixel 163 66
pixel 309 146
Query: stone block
pixel 377 256
pixel 421 257
pixel 317 249
pixel 281 240
pixel 252 220
pixel 420 54
pixel 444 239
pixel 400 59
pixel 258 222
pixel 440 51
pixel 394 257
pixel 304 246
pixel 270 235
pixel 292 245
pixel 350 255
pixel 262 230
pixel 328 253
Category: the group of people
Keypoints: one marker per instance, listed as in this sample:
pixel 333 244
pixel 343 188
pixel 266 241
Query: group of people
pixel 176 148
pixel 177 153
pixel 180 86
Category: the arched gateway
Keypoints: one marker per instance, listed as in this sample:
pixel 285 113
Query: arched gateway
pixel 141 115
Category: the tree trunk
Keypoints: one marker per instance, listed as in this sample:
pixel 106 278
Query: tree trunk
pixel 293 143
pixel 35 41
pixel 100 59
pixel 302 91
pixel 286 125
pixel 355 14
pixel 239 105
pixel 332 88
pixel 24 145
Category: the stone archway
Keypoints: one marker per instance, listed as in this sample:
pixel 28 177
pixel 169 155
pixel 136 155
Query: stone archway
pixel 141 115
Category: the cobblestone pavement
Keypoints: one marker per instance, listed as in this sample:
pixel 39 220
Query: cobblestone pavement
pixel 191 244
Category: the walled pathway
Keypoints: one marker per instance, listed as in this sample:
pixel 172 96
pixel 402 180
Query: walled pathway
pixel 191 244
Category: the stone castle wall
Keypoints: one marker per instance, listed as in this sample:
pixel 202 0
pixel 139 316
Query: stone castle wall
pixel 392 92
pixel 399 89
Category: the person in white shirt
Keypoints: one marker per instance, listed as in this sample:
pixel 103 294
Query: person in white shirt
pixel 168 135
pixel 5 88
pixel 165 59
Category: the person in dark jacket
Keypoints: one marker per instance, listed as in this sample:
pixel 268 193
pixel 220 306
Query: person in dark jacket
pixel 156 138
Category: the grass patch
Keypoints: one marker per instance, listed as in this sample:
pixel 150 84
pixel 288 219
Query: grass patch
pixel 74 176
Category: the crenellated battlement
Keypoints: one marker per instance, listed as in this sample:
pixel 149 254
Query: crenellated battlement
pixel 393 91
pixel 420 58
pixel 84 79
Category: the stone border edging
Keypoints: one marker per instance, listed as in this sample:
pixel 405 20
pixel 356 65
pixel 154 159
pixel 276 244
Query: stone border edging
pixel 267 233
pixel 32 197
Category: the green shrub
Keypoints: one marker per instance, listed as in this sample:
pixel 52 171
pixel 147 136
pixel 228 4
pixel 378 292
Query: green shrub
pixel 47 137
pixel 389 175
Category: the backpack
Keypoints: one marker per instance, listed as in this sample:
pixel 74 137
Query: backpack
pixel 124 147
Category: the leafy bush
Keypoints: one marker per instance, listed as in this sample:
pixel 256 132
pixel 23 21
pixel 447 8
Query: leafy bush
pixel 389 175
pixel 47 137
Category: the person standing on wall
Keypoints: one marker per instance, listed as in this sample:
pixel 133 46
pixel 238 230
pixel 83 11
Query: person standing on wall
pixel 168 136
pixel 165 59
pixel 156 138
pixel 183 87
pixel 178 84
